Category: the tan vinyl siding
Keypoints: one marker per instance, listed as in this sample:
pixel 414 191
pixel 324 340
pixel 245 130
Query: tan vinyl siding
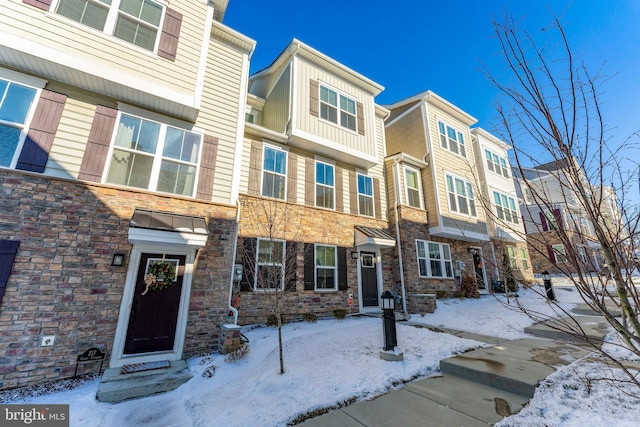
pixel 407 135
pixel 390 184
pixel 219 112
pixel 276 109
pixel 50 30
pixel 327 130
pixel 428 186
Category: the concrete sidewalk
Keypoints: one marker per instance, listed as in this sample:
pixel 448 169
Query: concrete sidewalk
pixel 477 388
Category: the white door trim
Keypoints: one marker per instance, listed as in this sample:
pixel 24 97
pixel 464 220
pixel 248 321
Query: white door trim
pixel 375 250
pixel 117 358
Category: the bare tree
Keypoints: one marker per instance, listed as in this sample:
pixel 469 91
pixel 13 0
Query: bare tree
pixel 551 114
pixel 270 256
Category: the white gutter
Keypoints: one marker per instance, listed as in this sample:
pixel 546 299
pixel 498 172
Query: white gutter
pixel 235 249
pixel 398 243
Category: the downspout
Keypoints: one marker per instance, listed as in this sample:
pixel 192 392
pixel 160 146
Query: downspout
pixel 495 261
pixel 395 208
pixel 235 249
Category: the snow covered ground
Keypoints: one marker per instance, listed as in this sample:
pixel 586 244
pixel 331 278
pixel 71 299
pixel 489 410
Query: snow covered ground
pixel 331 362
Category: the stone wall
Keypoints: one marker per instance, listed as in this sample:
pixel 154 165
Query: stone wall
pixel 62 283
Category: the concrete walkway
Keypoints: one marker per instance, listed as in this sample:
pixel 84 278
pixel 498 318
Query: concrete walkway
pixel 477 388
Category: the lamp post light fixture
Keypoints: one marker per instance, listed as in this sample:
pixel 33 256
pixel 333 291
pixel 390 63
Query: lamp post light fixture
pixel 390 351
pixel 546 279
pixel 117 260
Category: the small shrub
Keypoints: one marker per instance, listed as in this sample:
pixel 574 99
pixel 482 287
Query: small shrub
pixel 272 320
pixel 469 287
pixel 340 313
pixel 235 350
pixel 310 317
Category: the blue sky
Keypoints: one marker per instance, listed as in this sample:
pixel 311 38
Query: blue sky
pixel 409 46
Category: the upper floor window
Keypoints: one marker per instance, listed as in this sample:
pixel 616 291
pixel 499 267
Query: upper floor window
pixel 154 156
pixel 270 264
pixel 365 195
pixel 274 172
pixel 325 186
pixel 434 259
pixel 452 139
pixel 412 186
pixel 552 219
pixel 506 207
pixel 326 267
pixel 134 21
pixel 16 102
pixel 461 197
pixel 497 163
pixel 337 108
pixel 527 195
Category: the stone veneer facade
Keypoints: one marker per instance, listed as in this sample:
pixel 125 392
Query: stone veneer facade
pixel 62 282
pixel 309 225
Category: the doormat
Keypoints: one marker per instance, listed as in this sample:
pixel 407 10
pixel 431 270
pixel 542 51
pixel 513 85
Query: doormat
pixel 144 366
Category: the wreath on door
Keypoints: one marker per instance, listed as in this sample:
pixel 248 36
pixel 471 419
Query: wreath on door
pixel 160 275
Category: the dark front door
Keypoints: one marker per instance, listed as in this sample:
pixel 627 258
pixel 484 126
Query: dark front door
pixel 154 310
pixel 369 280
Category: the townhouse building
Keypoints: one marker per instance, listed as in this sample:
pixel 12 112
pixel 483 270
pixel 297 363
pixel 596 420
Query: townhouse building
pixel 550 206
pixel 434 197
pixel 313 205
pixel 501 204
pixel 119 123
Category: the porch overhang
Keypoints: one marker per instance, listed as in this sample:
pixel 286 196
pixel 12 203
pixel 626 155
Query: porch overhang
pixel 373 236
pixel 167 229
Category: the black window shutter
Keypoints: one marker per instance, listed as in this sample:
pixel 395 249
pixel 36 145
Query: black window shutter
pixel 309 267
pixel 543 220
pixel 558 216
pixel 291 267
pixel 342 268
pixel 248 264
pixel 8 250
pixel 552 254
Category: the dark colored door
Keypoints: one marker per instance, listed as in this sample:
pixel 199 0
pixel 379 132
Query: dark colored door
pixel 478 267
pixel 369 280
pixel 154 313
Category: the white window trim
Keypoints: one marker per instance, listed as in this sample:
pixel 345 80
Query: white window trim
pixel 164 122
pixel 286 170
pixel 428 259
pixel 513 212
pixel 458 132
pixel 466 184
pixel 498 168
pixel 406 187
pixel 258 264
pixel 559 250
pixel 109 26
pixel 513 260
pixel 523 258
pixel 315 269
pixel 315 187
pixel 338 94
pixel 33 83
pixel 372 197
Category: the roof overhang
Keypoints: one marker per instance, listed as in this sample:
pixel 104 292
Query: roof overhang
pixel 165 228
pixel 373 236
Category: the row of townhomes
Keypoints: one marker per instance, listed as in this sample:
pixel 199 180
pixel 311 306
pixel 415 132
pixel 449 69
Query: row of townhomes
pixel 143 170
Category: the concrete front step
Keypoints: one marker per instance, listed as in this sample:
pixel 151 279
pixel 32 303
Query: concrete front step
pixel 116 387
pixel 584 309
pixel 514 366
pixel 568 329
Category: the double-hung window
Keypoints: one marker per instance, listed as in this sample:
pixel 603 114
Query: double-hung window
pixel 552 221
pixel 16 104
pixel 337 108
pixel 505 207
pixel 134 21
pixel 270 264
pixel 523 259
pixel 274 172
pixel 326 267
pixel 452 139
pixel 497 164
pixel 365 195
pixel 560 254
pixel 154 156
pixel 325 185
pixel 582 253
pixel 434 259
pixel 461 197
pixel 412 186
pixel 511 252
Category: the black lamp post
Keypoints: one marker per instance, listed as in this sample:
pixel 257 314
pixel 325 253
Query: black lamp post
pixel 546 279
pixel 389 321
